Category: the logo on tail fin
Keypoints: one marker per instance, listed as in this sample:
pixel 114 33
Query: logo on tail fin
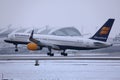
pixel 104 31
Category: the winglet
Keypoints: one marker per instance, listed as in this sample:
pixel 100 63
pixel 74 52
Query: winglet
pixel 31 36
pixel 103 33
pixel 32 39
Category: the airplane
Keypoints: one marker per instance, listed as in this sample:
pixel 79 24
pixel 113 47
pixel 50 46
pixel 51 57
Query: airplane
pixel 97 41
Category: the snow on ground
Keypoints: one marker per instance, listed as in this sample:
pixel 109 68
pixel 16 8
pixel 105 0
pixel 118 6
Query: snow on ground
pixel 60 70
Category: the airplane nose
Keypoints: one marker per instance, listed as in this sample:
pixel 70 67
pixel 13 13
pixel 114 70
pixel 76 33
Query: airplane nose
pixel 6 40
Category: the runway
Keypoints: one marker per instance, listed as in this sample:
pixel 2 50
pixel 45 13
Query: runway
pixel 60 70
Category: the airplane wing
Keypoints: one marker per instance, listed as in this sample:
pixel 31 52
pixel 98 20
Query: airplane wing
pixel 39 43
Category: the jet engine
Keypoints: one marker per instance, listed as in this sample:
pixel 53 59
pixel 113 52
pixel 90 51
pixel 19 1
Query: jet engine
pixel 33 46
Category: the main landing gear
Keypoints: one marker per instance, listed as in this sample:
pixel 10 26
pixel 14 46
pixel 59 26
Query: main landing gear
pixel 49 53
pixel 52 54
pixel 63 53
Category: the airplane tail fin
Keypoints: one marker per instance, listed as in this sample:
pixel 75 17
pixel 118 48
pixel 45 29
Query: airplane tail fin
pixel 103 33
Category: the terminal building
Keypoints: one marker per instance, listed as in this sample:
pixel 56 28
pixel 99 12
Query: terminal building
pixel 62 31
pixel 59 31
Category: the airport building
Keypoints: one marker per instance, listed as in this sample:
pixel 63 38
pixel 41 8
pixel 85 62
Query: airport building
pixel 59 31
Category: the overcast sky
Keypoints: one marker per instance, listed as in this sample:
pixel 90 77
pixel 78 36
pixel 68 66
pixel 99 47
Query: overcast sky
pixel 89 14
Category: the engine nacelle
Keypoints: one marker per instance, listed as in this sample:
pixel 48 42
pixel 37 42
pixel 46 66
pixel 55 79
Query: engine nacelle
pixel 33 46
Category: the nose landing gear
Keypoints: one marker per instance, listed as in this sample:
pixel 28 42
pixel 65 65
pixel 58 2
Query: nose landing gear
pixel 16 47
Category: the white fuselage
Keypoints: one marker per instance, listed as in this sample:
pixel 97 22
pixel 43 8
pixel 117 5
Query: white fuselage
pixel 67 42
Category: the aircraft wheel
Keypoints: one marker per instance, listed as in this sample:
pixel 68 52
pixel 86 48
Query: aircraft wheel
pixel 16 50
pixel 51 54
pixel 65 54
pixel 48 53
pixel 62 53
